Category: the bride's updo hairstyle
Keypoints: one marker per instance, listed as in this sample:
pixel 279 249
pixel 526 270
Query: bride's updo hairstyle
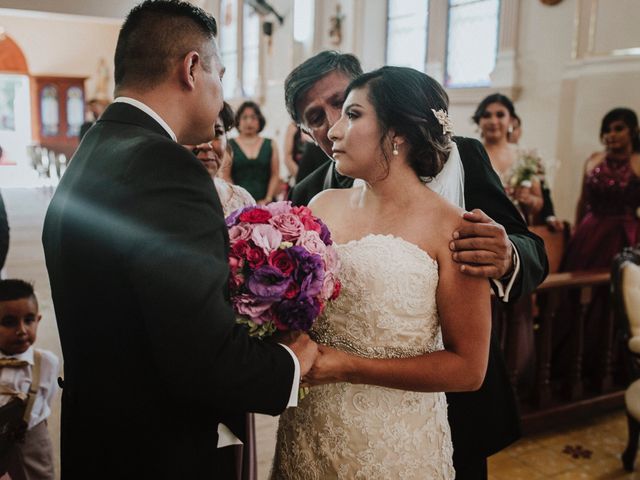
pixel 403 99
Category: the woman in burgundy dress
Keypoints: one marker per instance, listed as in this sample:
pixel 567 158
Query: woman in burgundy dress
pixel 606 222
pixel 607 214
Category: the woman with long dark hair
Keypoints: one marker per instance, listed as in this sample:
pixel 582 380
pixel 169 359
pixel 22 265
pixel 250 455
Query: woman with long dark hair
pixel 606 222
pixel 607 212
pixel 521 171
pixel 398 336
pixel 255 165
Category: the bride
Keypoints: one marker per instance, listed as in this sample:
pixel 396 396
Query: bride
pixel 408 324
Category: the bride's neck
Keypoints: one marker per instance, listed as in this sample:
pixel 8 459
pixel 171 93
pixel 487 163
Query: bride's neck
pixel 393 191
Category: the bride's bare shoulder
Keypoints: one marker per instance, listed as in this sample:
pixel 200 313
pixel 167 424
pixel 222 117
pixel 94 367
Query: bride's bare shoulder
pixel 330 200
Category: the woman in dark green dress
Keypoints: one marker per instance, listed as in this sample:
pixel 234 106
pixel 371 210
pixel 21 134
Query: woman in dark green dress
pixel 255 164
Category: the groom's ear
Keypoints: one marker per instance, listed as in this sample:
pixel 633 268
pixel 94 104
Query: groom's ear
pixel 187 69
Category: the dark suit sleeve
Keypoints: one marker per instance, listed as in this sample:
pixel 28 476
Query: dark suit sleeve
pixel 4 234
pixel 302 193
pixel 483 190
pixel 179 272
pixel 548 209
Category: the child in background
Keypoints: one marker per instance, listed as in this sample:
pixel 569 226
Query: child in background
pixel 31 458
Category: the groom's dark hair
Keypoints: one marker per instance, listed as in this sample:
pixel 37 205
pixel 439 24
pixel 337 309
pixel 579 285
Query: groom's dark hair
pixel 155 34
pixel 304 76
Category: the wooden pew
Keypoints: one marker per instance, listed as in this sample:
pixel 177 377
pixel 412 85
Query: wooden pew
pixel 544 402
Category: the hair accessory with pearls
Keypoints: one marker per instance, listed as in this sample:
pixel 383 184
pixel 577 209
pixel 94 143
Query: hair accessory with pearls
pixel 444 120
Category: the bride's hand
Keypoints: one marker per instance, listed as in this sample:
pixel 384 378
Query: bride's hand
pixel 331 366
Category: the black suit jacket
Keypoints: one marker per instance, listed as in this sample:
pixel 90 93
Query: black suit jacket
pixel 485 421
pixel 136 249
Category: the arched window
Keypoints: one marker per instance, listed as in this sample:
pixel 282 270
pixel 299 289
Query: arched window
pixel 75 111
pixel 407 26
pixel 49 111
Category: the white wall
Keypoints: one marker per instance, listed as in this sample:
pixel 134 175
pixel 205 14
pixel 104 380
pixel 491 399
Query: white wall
pixel 63 45
pixel 567 73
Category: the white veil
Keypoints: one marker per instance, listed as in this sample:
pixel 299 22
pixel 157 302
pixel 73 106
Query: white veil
pixel 449 183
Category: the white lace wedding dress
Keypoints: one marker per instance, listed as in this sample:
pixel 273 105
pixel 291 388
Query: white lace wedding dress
pixel 387 309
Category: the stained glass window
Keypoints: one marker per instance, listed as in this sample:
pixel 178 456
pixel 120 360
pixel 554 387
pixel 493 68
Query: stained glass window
pixel 407 33
pixel 50 111
pixel 75 111
pixel 472 42
pixel 250 51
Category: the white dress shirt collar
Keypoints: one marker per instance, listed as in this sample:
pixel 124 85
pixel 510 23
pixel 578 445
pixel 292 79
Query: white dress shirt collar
pixel 149 111
pixel 26 356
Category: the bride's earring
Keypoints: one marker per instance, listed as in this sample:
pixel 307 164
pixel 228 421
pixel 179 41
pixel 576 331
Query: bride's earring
pixel 395 149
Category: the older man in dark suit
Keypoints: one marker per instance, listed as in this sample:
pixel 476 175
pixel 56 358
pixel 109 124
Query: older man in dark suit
pixel 496 244
pixel 136 248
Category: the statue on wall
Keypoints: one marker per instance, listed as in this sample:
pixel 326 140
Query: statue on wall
pixel 101 90
pixel 335 32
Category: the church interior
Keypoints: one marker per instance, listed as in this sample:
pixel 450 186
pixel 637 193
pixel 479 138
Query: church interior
pixel 564 65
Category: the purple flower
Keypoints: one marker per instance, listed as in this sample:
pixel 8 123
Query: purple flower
pixel 250 306
pixel 297 314
pixel 232 219
pixel 267 283
pixel 309 272
pixel 325 234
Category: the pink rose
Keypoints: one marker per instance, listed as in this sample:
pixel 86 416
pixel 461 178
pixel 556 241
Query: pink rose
pixel 288 224
pixel 264 317
pixel 248 305
pixel 278 208
pixel 331 260
pixel 266 237
pixel 311 242
pixel 240 232
pixel 328 286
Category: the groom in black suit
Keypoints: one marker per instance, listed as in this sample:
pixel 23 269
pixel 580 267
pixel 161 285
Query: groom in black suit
pixel 496 245
pixel 136 248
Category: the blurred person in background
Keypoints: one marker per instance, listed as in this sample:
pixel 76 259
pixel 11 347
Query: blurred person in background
pixel 255 165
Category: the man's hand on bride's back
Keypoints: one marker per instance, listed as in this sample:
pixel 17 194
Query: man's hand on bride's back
pixel 481 247
pixel 305 349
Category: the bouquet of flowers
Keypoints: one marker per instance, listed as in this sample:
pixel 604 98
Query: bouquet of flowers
pixel 528 166
pixel 283 267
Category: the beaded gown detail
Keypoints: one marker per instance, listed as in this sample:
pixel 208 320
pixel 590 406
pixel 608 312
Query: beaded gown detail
pixel 386 309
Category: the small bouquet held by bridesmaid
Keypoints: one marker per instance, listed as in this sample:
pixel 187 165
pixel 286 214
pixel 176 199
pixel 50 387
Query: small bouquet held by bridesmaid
pixel 529 166
pixel 283 268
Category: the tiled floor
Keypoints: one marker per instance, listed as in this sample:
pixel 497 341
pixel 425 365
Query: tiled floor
pixel 588 451
pixel 597 444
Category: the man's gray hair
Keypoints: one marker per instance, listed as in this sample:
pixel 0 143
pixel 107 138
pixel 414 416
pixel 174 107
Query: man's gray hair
pixel 304 76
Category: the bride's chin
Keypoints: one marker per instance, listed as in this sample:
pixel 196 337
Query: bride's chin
pixel 343 169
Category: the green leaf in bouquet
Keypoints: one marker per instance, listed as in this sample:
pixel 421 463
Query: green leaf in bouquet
pixel 261 331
